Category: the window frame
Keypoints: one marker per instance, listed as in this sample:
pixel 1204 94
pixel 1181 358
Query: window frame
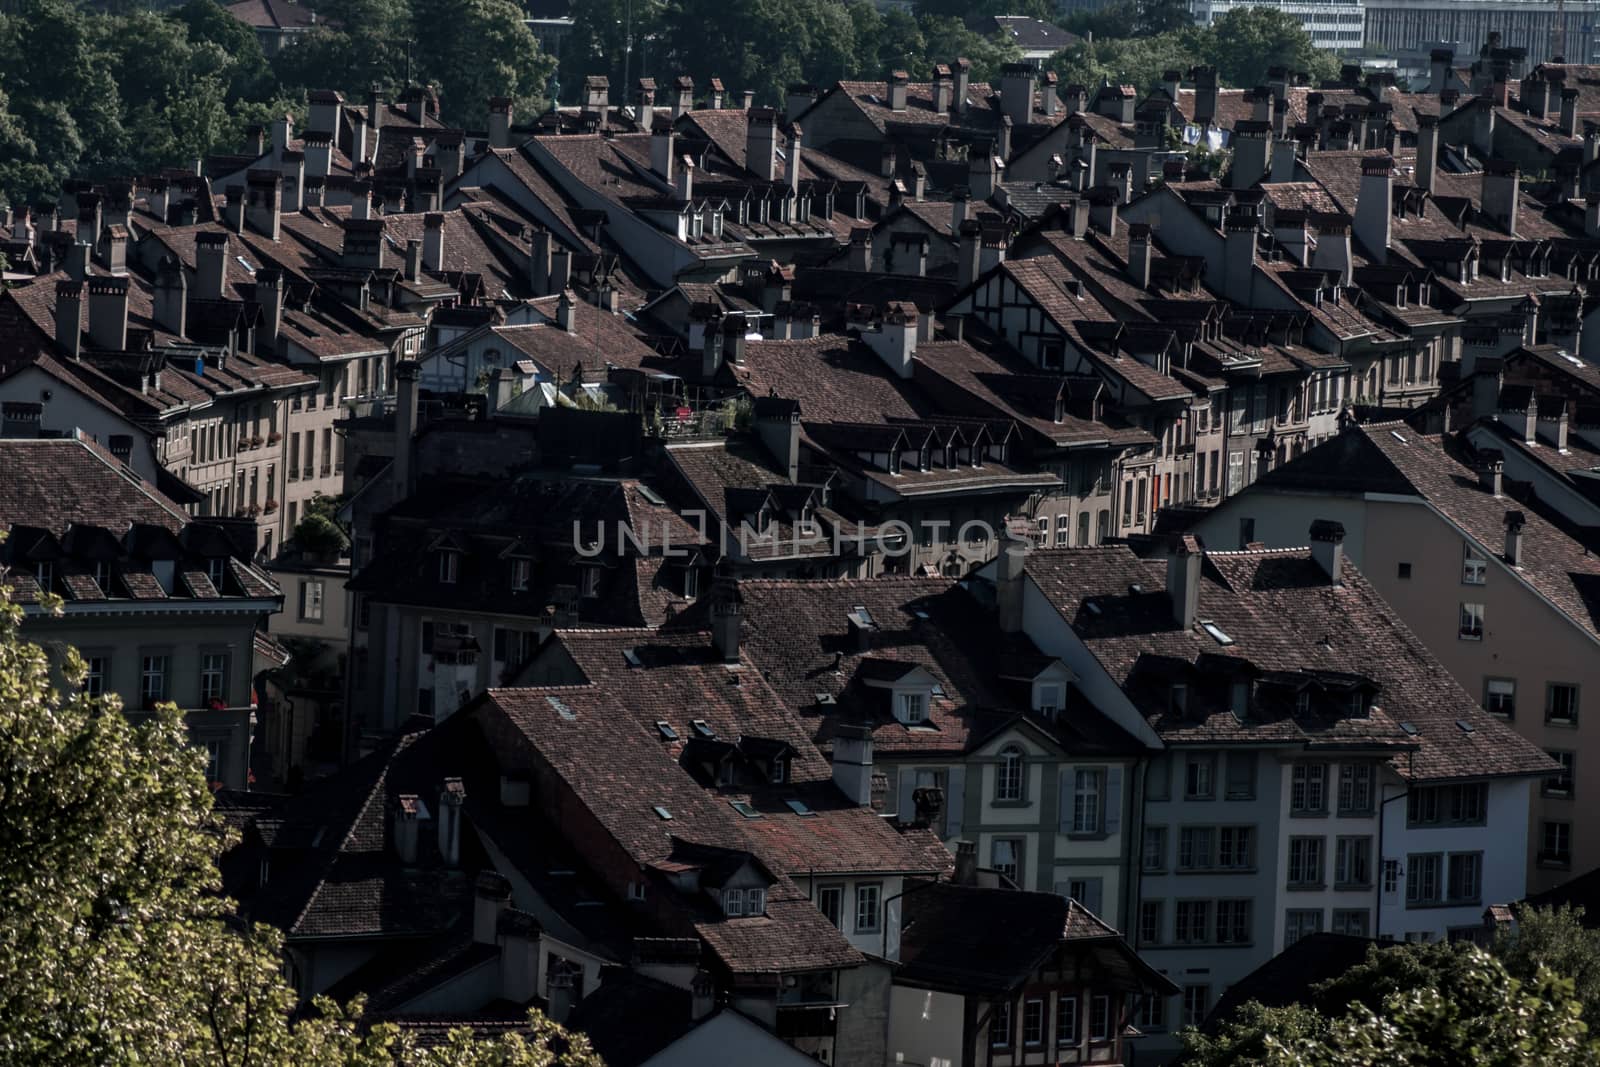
pixel 1068 1036
pixel 875 889
pixel 1159 835
pixel 217 673
pixel 1489 695
pixel 157 665
pixel 1206 766
pixel 313 600
pixel 1018 847
pixel 1312 879
pixel 1011 776
pixel 1550 690
pixel 836 891
pixel 1360 777
pixel 1033 1021
pixel 1470 621
pixel 1560 785
pixel 1088 789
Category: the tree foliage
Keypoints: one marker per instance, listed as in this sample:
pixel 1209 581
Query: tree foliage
pixel 114 945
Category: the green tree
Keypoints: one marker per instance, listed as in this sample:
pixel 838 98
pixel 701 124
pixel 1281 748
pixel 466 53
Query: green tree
pixel 1248 40
pixel 1556 938
pixel 948 37
pixel 476 49
pixel 114 945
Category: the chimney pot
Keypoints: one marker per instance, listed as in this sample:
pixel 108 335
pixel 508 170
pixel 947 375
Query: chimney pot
pixel 1327 548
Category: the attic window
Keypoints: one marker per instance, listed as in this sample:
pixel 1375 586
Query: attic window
pixel 632 657
pixel 702 728
pixel 562 710
pixel 216 568
pixel 449 565
pixel 1216 632
pixel 245 264
pixel 743 808
pixel 799 807
pixel 911 708
pixel 664 728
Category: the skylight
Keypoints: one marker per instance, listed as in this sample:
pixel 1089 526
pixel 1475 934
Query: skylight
pixel 1464 725
pixel 1409 728
pixel 245 264
pixel 562 710
pixel 632 656
pixel 702 728
pixel 938 689
pixel 662 813
pixel 1092 606
pixel 651 495
pixel 664 728
pixel 1217 633
pixel 799 807
pixel 825 699
pixel 1397 436
pixel 743 808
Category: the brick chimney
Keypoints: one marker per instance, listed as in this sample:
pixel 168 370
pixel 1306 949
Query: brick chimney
pixel 211 265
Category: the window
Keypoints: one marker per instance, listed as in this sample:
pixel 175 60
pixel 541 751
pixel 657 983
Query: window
pixel 1560 783
pixel 1458 804
pixel 733 902
pixel 1152 1014
pixel 1500 697
pixel 1099 1018
pixel 1066 1019
pixel 1305 861
pixel 1150 921
pixel 1556 847
pixel 153 678
pixel 913 707
pixel 311 600
pixel 589 582
pixel 1155 848
pixel 1391 877
pixel 1468 803
pixel 1033 1022
pixel 1000 1025
pixel 1049 701
pixel 867 897
pixel 520 571
pixel 1422 806
pixel 1195 1000
pixel 830 901
pixel 1241 776
pixel 1355 789
pixel 1009 774
pixel 1234 847
pixel 1474 568
pixel 1422 878
pixel 1192 923
pixel 1352 861
pixel 1308 789
pixel 755 902
pixel 1404 572
pixel 1086 796
pixel 1247 531
pixel 213 676
pixel 1158 778
pixel 1464 883
pixel 1063 531
pixel 213 761
pixel 1299 922
pixel 1561 703
pixel 1005 856
pixel 1233 922
pixel 1195 847
pixel 102 576
pixel 449 565
pixel 1086 891
pixel 1199 777
pixel 94 679
pixel 1351 921
pixel 1471 628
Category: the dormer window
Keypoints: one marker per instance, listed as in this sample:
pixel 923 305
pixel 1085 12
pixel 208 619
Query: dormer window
pixel 102 576
pixel 1302 703
pixel 589 582
pixel 733 903
pixel 449 564
pixel 1048 702
pixel 755 902
pixel 520 572
pixel 778 772
pixel 1178 698
pixel 215 570
pixel 43 573
pixel 725 772
pixel 911 708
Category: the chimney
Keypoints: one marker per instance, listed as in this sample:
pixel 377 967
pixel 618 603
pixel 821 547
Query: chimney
pixel 1514 522
pixel 211 265
pixel 897 85
pixel 1333 247
pixel 1205 95
pixel 69 317
pixel 980 173
pixel 263 208
pixel 1016 93
pixel 778 425
pixel 1440 60
pixel 1251 146
pixel 77 265
pixel 499 122
pixel 852 763
pixel 1239 258
pixel 433 241
pixel 683 95
pixel 1139 254
pixel 561 997
pixel 895 339
pixel 318 154
pixel 796 140
pixel 89 218
pixel 361 200
pixel 726 609
pixel 1049 99
pixel 490 899
pixel 539 263
pixel 1375 206
pixel 405 425
pixel 170 297
pixel 1549 417
pixel 966 872
pixel 970 253
pixel 1569 112
pixel 1103 209
pixel 858 255
pixel 1327 548
pixel 566 311
pixel 710 345
pixel 943 89
pixel 1427 151
pixel 413 260
pixel 1183 579
pixel 1591 142
pixel 1491 471
pixel 958 209
pixel 451 797
pixel 761 144
pixel 448 149
pixel 282 132
pixel 1172 83
pixel 747 99
pixel 1009 585
pixel 597 96
pixel 734 328
pixel 108 313
pixel 406 814
pixel 644 104
pixel 324 111
pixel 560 270
pixel 686 179
pixel 1002 144
pixel 962 69
pixel 1283 159
pixel 269 294
pixel 1076 99
pixel 1501 189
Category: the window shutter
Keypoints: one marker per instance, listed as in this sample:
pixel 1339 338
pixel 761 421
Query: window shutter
pixel 955 801
pixel 1064 797
pixel 891 927
pixel 1112 804
pixel 908 781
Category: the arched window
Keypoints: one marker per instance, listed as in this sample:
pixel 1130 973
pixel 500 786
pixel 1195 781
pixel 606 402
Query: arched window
pixel 1009 775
